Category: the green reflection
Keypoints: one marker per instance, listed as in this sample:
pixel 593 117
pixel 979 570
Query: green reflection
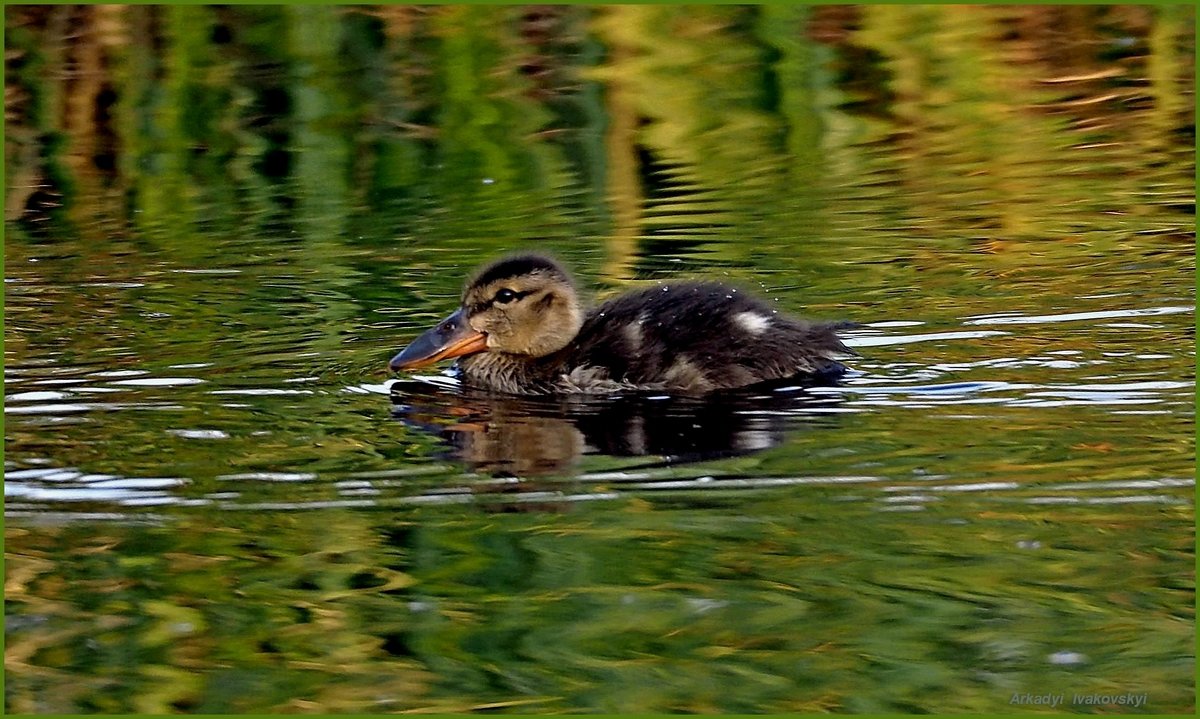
pixel 794 605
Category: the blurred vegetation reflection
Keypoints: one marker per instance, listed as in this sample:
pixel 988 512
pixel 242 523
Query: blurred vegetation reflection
pixel 333 122
pixel 258 203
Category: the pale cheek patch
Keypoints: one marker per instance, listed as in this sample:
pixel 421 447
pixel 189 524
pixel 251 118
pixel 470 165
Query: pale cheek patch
pixel 752 322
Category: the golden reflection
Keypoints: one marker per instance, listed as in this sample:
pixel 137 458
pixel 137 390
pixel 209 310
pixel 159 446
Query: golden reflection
pixel 624 190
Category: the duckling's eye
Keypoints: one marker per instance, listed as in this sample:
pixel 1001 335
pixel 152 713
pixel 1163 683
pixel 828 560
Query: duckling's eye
pixel 504 296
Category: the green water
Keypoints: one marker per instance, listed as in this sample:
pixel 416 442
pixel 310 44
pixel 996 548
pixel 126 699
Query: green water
pixel 222 222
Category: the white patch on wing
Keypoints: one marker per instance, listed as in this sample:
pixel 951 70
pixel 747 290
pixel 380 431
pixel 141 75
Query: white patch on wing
pixel 752 322
pixel 633 333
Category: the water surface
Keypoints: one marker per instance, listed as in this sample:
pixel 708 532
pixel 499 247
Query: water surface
pixel 222 222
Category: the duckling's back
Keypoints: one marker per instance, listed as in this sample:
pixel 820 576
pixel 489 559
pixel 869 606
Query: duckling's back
pixel 699 337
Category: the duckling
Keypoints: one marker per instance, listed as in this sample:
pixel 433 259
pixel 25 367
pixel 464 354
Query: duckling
pixel 521 329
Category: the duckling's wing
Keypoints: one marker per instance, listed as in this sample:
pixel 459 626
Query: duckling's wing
pixel 704 336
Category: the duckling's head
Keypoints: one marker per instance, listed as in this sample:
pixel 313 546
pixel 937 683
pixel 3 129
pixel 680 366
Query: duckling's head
pixel 523 305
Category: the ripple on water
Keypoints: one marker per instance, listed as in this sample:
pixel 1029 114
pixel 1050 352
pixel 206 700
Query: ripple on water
pixel 1006 319
pixel 51 485
pixel 199 433
pixel 883 341
pixel 72 408
pixel 159 382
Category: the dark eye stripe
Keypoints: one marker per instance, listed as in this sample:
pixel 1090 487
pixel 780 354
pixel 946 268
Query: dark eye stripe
pixel 513 296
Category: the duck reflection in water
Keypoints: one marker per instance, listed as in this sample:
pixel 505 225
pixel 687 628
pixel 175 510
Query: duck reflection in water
pixel 508 435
